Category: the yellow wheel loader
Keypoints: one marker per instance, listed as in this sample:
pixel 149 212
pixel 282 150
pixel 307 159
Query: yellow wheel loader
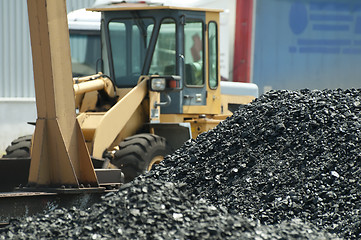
pixel 158 85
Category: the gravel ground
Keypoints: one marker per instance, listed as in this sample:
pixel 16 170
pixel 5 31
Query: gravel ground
pixel 287 166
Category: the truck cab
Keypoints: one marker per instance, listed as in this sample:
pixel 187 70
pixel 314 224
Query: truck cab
pixel 84 33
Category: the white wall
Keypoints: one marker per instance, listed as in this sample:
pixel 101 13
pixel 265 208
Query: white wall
pixel 14 115
pixel 227 34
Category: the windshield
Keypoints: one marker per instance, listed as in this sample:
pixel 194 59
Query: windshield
pixel 129 40
pixel 164 56
pixel 85 51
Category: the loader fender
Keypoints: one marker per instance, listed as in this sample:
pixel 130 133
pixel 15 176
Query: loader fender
pixel 137 154
pixel 175 133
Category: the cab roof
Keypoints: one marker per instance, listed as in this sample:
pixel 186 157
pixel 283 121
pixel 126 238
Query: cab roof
pixel 144 6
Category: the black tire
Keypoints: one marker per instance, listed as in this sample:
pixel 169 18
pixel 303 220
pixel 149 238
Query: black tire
pixel 19 148
pixel 138 153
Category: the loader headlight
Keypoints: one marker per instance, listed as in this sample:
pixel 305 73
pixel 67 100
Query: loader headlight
pixel 165 83
pixel 158 84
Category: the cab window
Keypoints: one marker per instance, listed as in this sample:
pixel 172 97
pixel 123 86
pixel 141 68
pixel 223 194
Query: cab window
pixel 212 55
pixel 164 57
pixel 85 51
pixel 129 40
pixel 193 53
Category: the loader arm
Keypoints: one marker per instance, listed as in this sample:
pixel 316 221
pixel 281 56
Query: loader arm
pixel 93 83
pixel 105 128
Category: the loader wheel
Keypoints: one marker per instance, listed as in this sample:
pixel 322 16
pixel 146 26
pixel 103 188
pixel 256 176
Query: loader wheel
pixel 19 148
pixel 137 154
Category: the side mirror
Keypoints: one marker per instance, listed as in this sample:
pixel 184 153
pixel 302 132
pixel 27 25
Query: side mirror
pixel 165 83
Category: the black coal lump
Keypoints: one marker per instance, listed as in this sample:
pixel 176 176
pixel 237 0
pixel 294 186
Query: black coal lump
pixel 287 155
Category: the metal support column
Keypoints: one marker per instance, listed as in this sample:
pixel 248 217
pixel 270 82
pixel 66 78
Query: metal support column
pixel 59 156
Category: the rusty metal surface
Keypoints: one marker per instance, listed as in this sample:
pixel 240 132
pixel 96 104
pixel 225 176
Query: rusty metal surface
pixel 13 172
pixel 25 204
pixel 112 177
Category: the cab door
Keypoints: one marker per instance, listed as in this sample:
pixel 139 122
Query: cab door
pixel 195 89
pixel 201 93
pixel 197 62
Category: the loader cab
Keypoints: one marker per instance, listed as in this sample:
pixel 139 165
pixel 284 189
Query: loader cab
pixel 164 40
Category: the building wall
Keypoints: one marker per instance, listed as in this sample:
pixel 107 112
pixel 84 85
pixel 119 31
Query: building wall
pixel 307 44
pixel 17 95
pixel 16 66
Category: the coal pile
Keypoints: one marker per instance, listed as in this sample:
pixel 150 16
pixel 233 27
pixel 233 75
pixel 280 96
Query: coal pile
pixel 287 155
pixel 153 209
pixel 287 166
